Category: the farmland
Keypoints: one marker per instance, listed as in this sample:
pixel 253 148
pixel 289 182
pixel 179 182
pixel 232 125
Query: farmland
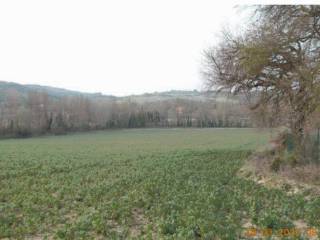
pixel 140 184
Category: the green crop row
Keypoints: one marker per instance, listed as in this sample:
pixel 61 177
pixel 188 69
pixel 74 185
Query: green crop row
pixel 139 184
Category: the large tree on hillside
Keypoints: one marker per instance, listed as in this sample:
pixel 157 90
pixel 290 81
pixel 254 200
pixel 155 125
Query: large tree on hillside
pixel 277 60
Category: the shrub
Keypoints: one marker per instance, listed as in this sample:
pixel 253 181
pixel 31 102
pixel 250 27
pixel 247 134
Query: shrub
pixel 276 163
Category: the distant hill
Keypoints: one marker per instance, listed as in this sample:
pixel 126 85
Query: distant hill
pixel 53 92
pixel 57 93
pixel 180 94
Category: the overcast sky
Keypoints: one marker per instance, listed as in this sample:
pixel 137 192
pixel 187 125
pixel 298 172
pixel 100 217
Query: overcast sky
pixel 114 47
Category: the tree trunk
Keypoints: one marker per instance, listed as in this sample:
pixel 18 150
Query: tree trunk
pixel 298 133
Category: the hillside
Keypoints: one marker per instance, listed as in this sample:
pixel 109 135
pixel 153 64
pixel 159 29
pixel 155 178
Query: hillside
pixel 53 92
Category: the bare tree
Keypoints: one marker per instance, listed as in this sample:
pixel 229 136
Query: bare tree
pixel 276 62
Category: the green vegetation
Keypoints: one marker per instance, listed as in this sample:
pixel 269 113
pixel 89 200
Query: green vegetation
pixel 143 184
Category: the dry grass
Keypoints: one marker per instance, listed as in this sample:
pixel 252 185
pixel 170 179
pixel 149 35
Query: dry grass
pixel 300 179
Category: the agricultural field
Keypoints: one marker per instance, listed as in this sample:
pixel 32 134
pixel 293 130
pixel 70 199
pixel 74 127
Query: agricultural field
pixel 140 184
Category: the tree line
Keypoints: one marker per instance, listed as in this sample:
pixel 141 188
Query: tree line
pixel 37 113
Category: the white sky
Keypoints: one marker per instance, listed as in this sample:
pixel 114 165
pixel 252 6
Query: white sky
pixel 115 47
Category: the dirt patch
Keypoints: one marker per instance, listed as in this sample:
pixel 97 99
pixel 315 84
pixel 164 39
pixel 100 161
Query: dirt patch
pixel 71 217
pixel 139 224
pixel 142 225
pixel 114 225
pixel 40 237
pixel 299 180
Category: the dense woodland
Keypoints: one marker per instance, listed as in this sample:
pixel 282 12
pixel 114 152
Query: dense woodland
pixel 38 113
